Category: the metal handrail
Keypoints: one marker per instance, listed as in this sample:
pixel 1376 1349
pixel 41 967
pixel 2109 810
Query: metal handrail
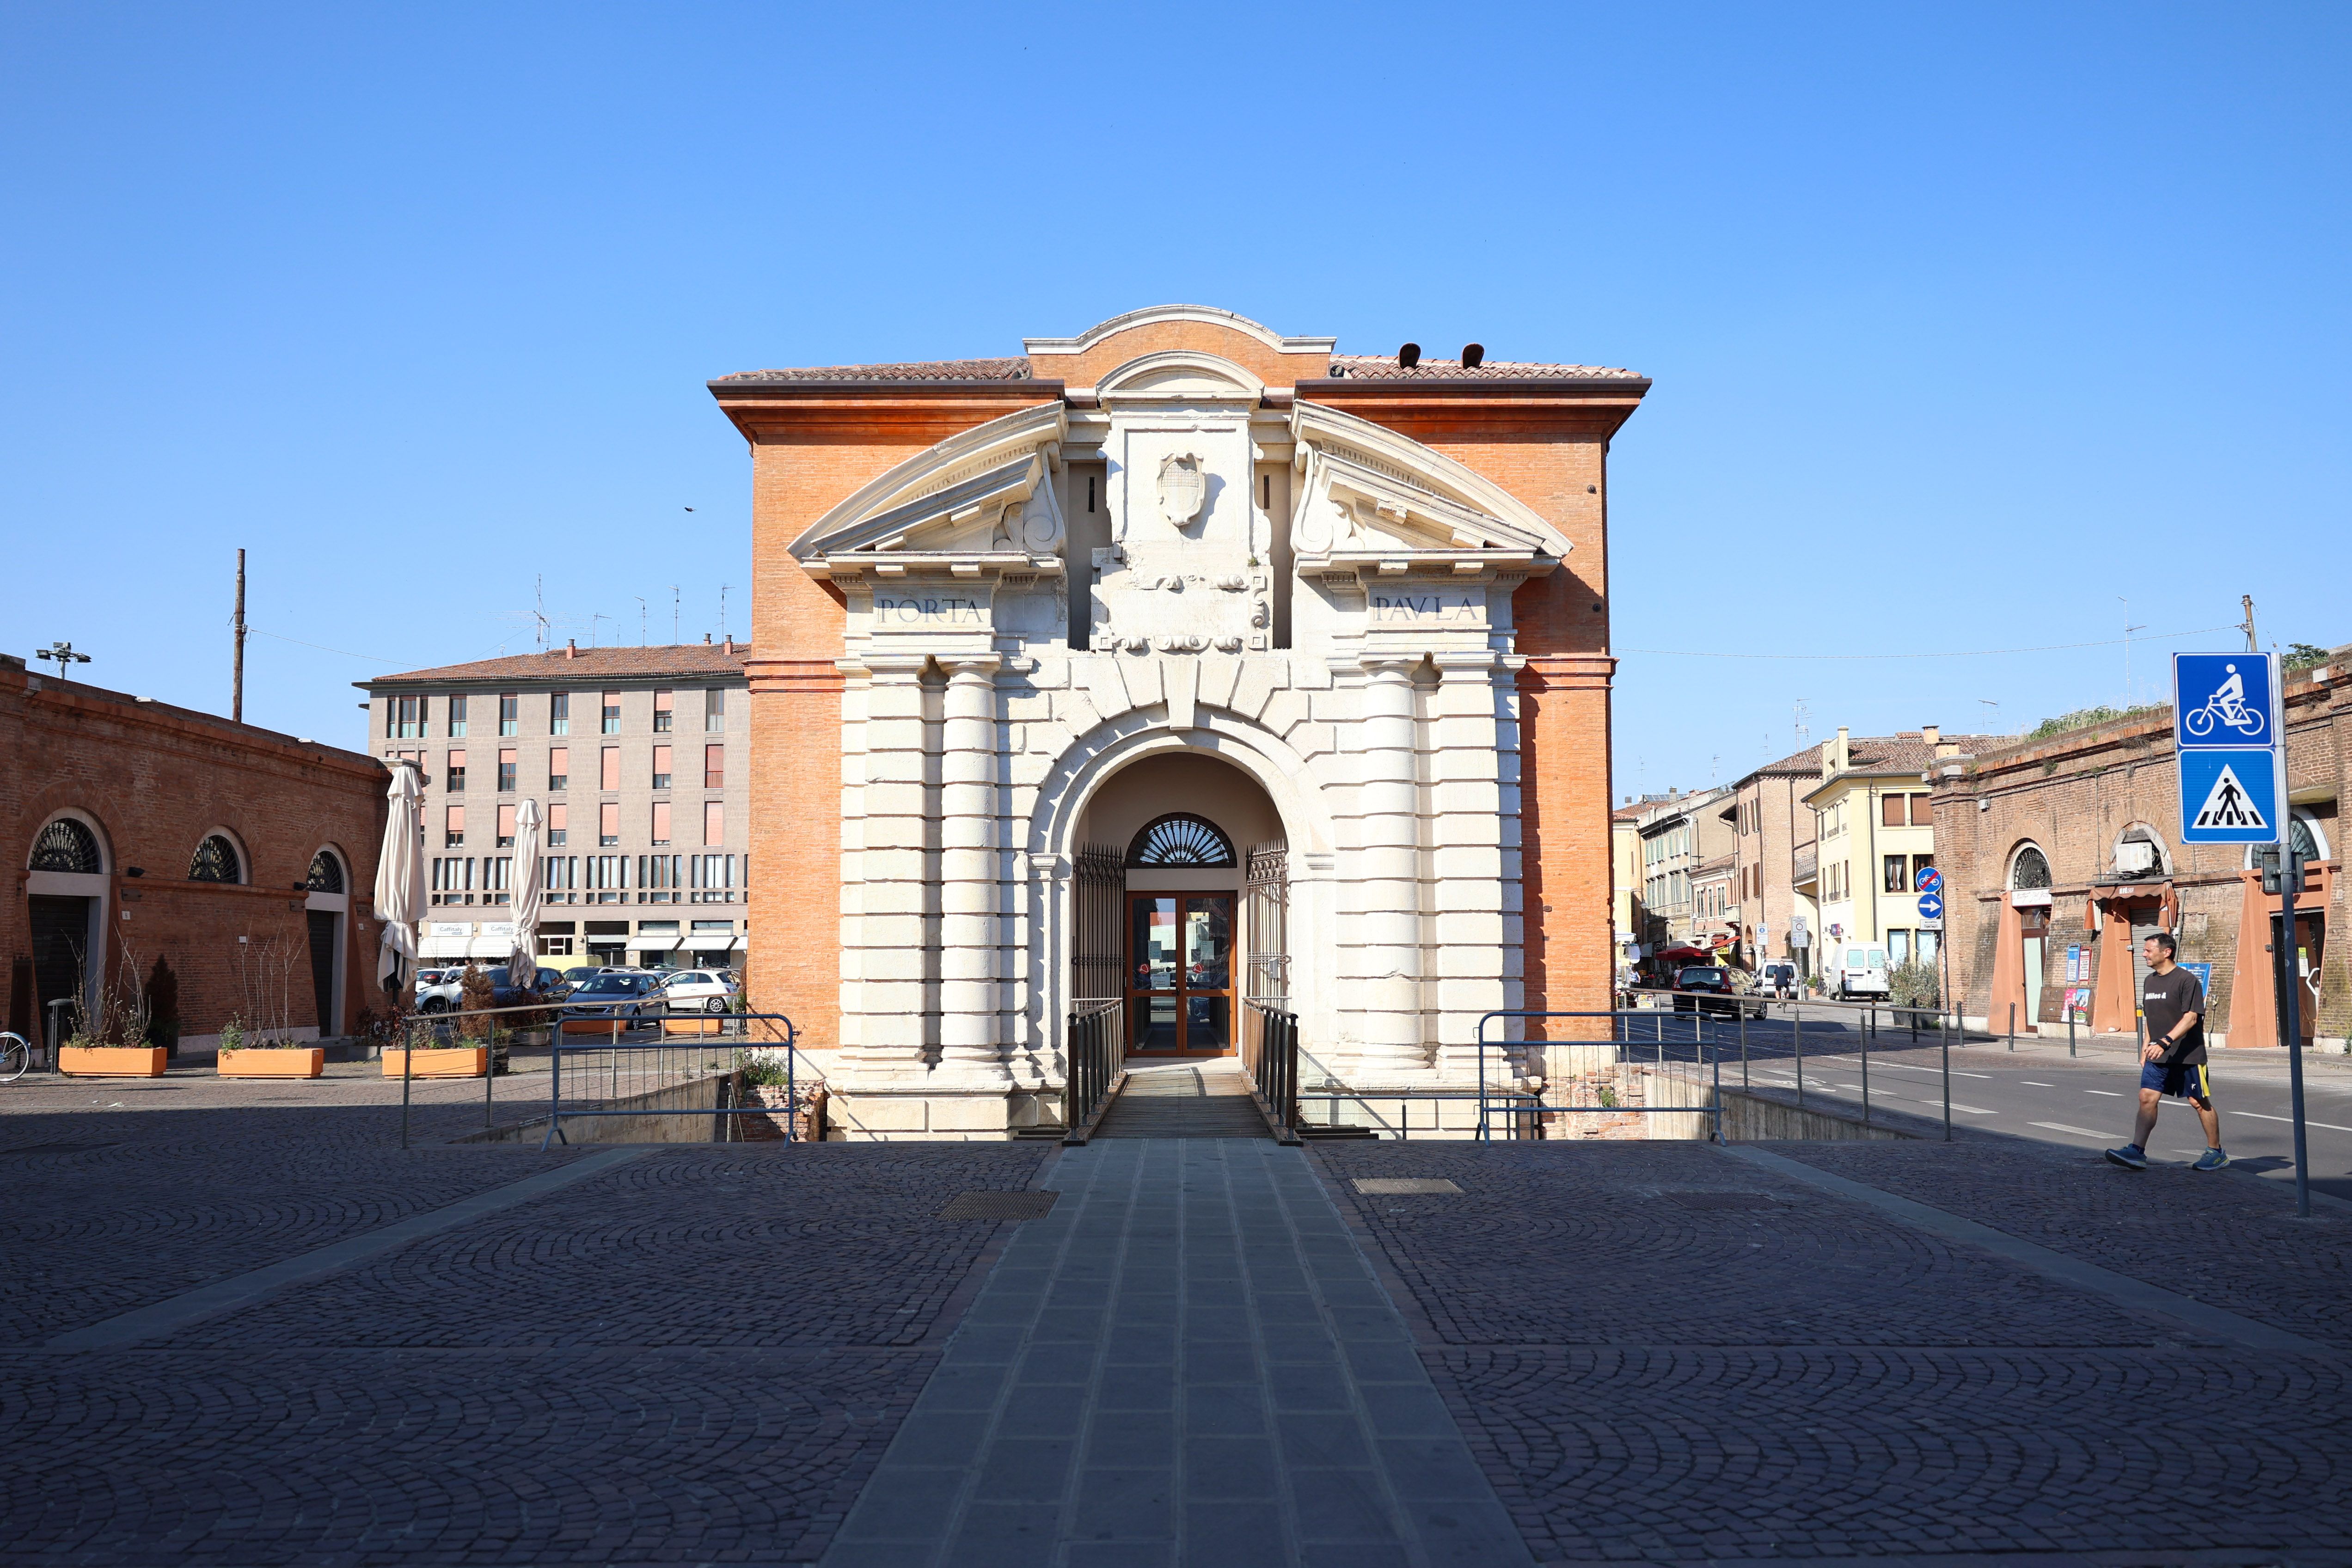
pixel 556 1113
pixel 1093 1044
pixel 1274 1063
pixel 1518 1103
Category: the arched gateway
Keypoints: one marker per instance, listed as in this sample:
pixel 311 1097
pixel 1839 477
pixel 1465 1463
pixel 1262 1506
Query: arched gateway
pixel 1176 663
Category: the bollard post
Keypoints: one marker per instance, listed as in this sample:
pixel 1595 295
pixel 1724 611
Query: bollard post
pixel 1947 1087
pixel 1799 1036
pixel 2070 1031
pixel 1743 1049
pixel 408 1071
pixel 1716 1062
pixel 1866 1068
pixel 2012 1025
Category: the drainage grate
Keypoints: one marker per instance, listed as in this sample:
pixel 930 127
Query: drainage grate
pixel 1720 1200
pixel 56 1148
pixel 999 1206
pixel 1385 1187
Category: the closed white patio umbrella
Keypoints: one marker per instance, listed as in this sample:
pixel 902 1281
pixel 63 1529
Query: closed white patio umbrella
pixel 528 895
pixel 400 876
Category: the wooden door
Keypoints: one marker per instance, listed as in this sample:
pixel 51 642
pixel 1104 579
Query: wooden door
pixel 1179 968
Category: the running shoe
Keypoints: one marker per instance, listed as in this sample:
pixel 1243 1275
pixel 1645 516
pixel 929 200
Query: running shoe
pixel 2130 1157
pixel 2212 1159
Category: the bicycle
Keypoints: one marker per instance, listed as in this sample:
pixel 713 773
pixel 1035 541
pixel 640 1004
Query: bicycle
pixel 16 1055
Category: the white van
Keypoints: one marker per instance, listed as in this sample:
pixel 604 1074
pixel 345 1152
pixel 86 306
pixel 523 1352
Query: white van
pixel 1857 973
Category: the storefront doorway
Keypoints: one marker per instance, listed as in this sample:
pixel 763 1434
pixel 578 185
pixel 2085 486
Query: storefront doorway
pixel 1180 965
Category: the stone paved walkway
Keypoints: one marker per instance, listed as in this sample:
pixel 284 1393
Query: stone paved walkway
pixel 1188 1363
pixel 1218 1347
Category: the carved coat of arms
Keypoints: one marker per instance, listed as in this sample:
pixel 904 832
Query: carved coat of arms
pixel 1183 487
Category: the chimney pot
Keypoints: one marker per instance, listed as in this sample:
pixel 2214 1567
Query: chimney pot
pixel 1931 733
pixel 706 640
pixel 571 648
pixel 730 642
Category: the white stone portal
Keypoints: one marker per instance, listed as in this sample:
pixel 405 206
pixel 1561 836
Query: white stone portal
pixel 1297 626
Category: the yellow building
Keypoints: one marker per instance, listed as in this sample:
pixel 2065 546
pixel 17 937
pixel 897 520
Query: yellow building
pixel 1876 835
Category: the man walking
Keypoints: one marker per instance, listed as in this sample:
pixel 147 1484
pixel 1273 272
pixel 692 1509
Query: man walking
pixel 2174 1060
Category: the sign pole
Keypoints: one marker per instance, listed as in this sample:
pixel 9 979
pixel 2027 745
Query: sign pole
pixel 2290 983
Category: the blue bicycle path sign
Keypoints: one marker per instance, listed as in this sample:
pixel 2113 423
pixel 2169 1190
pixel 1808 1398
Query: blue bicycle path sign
pixel 2226 742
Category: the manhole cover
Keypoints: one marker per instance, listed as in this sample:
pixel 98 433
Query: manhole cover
pixel 999 1206
pixel 1387 1186
pixel 1720 1200
pixel 57 1148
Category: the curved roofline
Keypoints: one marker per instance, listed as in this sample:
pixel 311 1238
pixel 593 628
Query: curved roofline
pixel 1207 315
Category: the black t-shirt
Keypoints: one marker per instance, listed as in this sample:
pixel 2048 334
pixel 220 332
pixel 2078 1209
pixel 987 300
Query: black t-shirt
pixel 2163 998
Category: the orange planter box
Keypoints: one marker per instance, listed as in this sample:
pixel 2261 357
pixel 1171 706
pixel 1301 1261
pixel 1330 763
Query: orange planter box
pixel 707 1024
pixel 597 1027
pixel 453 1061
pixel 253 1063
pixel 113 1061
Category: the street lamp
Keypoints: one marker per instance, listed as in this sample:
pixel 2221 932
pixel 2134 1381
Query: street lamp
pixel 64 654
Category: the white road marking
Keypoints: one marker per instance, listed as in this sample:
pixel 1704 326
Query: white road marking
pixel 2036 1083
pixel 2307 1122
pixel 2077 1132
pixel 2110 1093
pixel 1932 1072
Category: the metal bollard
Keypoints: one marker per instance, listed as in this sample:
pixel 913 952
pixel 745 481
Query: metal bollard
pixel 1743 1049
pixel 2070 1031
pixel 1865 1071
pixel 2012 1025
pixel 407 1071
pixel 1799 1036
pixel 1947 1089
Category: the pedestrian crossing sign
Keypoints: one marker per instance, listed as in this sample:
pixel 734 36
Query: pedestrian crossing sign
pixel 2229 797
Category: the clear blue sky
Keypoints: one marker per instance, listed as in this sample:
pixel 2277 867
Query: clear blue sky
pixel 1967 321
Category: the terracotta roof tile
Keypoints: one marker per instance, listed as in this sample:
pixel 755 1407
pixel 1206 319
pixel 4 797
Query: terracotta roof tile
pixel 1380 367
pixel 920 370
pixel 587 665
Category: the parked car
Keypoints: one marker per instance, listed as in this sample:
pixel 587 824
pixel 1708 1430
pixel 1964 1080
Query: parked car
pixel 613 995
pixel 1707 988
pixel 699 990
pixel 446 992
pixel 1779 979
pixel 440 990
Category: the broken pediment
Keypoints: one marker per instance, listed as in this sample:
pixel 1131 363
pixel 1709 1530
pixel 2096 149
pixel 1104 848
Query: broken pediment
pixel 1368 493
pixel 986 492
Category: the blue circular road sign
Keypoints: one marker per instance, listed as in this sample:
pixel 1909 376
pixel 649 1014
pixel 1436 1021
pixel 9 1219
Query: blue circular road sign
pixel 1931 906
pixel 1929 879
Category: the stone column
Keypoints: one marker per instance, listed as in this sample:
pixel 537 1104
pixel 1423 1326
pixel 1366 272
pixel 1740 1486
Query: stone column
pixel 972 1048
pixel 1474 822
pixel 887 923
pixel 1388 929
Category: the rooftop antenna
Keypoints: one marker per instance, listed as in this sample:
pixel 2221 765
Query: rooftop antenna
pixel 237 667
pixel 539 608
pixel 599 616
pixel 1800 728
pixel 722 607
pixel 1992 720
pixel 2128 630
pixel 2247 626
pixel 673 611
pixel 640 598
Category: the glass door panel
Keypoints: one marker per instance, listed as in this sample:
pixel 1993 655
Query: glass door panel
pixel 1180 972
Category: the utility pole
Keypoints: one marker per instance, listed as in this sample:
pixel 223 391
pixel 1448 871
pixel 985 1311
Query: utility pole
pixel 236 677
pixel 2247 626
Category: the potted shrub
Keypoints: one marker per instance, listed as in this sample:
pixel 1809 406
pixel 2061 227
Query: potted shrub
pixel 245 1053
pixel 111 1028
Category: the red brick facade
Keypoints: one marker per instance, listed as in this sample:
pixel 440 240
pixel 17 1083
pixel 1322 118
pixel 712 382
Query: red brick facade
pixel 151 781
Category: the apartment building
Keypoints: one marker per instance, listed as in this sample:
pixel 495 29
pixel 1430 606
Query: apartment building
pixel 1876 834
pixel 639 759
pixel 1680 835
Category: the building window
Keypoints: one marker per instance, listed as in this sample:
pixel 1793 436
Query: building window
pixel 1180 840
pixel 506 770
pixel 1899 871
pixel 1920 863
pixel 609 774
pixel 509 713
pixel 498 879
pixel 661 822
pixel 1890 811
pixel 608 824
pixel 506 826
pixel 555 946
pixel 457 778
pixel 326 873
pixel 453 826
pixel 714 822
pixel 2030 868
pixel 612 701
pixel 456 717
pixel 661 767
pixel 608 879
pixel 713 878
pixel 659 879
pixel 558 767
pixel 1923 813
pixel 714 710
pixel 216 861
pixel 559 877
pixel 1898 947
pixel 557 831
pixel 407 718
pixel 714 767
pixel 453 879
pixel 661 712
pixel 68 846
pixel 558 713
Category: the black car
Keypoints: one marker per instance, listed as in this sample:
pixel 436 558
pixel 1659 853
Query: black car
pixel 1706 988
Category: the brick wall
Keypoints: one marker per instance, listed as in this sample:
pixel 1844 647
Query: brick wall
pixel 155 781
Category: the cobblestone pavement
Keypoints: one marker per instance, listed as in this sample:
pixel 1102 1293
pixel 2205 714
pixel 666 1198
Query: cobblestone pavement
pixel 696 1355
pixel 1660 1353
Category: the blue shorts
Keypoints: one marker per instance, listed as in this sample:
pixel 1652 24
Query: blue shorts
pixel 2188 1081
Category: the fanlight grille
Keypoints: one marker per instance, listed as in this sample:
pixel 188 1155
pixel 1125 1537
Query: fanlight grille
pixel 326 873
pixel 1179 839
pixel 216 861
pixel 2032 870
pixel 66 844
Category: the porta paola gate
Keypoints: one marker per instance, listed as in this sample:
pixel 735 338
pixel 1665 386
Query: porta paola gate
pixel 1183 666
